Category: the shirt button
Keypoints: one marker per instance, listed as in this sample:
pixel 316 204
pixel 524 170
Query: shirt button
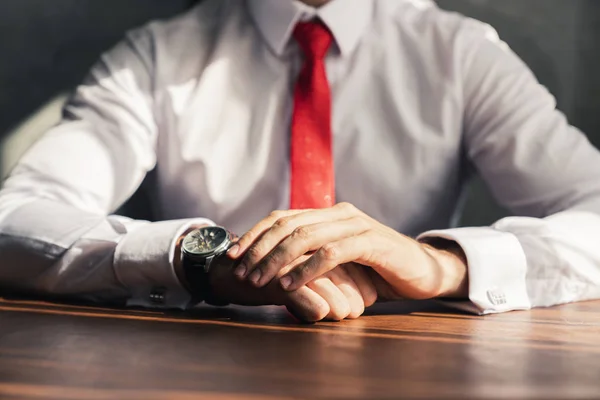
pixel 497 297
pixel 157 295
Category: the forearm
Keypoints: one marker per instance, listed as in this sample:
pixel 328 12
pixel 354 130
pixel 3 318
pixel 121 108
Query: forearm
pixel 51 249
pixel 452 267
pixel 44 246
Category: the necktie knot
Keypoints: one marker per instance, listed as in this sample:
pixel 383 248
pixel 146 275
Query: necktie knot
pixel 314 39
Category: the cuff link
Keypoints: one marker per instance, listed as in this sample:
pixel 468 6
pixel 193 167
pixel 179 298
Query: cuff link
pixel 497 297
pixel 157 295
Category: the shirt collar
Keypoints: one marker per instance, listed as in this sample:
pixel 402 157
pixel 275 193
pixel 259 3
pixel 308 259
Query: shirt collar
pixel 346 19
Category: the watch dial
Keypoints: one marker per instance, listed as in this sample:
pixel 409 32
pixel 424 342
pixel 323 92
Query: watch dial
pixel 204 240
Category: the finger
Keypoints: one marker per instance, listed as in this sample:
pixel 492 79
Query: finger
pixel 340 278
pixel 307 305
pixel 352 249
pixel 273 235
pixel 257 230
pixel 339 307
pixel 365 284
pixel 279 295
pixel 282 228
pixel 303 240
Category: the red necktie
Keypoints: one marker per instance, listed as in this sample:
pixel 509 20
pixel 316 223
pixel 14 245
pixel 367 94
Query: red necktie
pixel 312 180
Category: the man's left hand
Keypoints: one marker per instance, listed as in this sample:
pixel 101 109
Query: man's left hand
pixel 343 234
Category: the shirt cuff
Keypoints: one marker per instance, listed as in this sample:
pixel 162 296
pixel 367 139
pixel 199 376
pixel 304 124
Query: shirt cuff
pixel 144 264
pixel 497 269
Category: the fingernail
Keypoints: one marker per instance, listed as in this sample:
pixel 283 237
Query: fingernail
pixel 240 271
pixel 255 276
pixel 286 281
pixel 234 250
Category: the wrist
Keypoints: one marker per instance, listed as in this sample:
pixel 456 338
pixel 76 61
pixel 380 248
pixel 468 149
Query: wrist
pixel 218 279
pixel 178 257
pixel 202 255
pixel 451 262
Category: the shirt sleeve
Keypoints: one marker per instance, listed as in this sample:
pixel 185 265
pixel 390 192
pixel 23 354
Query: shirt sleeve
pixel 537 165
pixel 57 234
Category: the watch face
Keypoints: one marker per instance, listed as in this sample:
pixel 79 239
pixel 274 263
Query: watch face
pixel 205 241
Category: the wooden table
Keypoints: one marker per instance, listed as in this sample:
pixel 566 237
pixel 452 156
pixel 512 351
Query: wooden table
pixel 401 350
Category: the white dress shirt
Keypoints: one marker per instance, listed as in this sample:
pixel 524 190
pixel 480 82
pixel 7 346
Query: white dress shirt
pixel 422 99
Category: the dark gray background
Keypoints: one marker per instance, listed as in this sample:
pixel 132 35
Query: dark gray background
pixel 46 46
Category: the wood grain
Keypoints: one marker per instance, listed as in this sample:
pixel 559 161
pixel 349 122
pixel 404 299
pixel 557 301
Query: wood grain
pixel 400 350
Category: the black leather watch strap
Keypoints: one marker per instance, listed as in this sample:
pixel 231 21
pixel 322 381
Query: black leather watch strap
pixel 199 283
pixel 196 279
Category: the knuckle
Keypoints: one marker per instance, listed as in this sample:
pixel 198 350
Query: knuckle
pixel 348 208
pixel 270 262
pixel 248 237
pixel 254 253
pixel 282 223
pixel 301 233
pixel 276 214
pixel 301 272
pixel 344 205
pixel 329 252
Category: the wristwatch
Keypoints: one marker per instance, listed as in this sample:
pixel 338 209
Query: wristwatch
pixel 198 251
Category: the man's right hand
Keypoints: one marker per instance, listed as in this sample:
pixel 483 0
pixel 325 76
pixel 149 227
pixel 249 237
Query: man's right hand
pixel 342 293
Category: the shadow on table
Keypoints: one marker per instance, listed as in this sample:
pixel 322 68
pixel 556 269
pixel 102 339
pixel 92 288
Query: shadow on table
pixel 267 315
pixel 279 315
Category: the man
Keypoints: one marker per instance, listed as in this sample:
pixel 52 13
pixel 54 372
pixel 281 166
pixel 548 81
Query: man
pixel 363 118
